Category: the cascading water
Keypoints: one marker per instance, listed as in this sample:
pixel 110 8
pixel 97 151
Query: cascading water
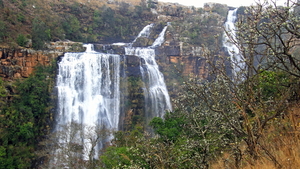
pixel 88 92
pixel 88 86
pixel 230 36
pixel 145 32
pixel 156 94
pixel 160 39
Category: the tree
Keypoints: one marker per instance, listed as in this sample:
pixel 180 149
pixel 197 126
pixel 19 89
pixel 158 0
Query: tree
pixel 24 119
pixel 73 145
pixel 124 8
pixel 169 128
pixel 273 34
pixel 108 17
pixel 21 40
pixel 40 34
pixel 262 81
pixel 72 27
pixel 3 31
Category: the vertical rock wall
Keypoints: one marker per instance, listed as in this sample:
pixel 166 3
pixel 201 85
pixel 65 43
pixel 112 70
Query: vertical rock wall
pixel 18 63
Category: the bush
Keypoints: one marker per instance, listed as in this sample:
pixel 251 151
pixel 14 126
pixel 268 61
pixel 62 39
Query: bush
pixel 72 28
pixel 272 84
pixel 170 128
pixel 3 30
pixel 40 35
pixel 21 18
pixel 21 40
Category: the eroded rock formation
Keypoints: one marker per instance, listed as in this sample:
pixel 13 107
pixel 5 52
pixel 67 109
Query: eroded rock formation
pixel 190 30
pixel 20 63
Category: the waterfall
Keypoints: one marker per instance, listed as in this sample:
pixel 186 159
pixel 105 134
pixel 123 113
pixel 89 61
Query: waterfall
pixel 88 93
pixel 88 86
pixel 157 99
pixel 231 48
pixel 145 32
pixel 161 38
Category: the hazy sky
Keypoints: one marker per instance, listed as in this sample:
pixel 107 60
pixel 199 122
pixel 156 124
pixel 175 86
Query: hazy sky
pixel 199 3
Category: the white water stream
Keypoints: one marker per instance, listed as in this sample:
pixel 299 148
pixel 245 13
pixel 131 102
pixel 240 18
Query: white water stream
pixel 157 99
pixel 88 86
pixel 88 92
pixel 229 38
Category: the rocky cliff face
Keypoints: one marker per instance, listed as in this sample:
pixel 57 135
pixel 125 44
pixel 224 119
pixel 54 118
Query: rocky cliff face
pixel 191 29
pixel 20 63
pixel 189 60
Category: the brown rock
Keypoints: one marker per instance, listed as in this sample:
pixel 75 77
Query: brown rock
pixel 174 59
pixel 28 64
pixel 22 62
pixel 59 48
pixel 6 63
pixel 17 75
pixel 26 71
pixel 19 62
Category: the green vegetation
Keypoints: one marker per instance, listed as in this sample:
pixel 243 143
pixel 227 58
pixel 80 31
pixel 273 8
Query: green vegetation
pixel 3 31
pixel 170 128
pixel 21 40
pixel 273 83
pixel 205 30
pixel 71 27
pixel 39 34
pixel 120 154
pixel 74 21
pixel 227 118
pixel 24 120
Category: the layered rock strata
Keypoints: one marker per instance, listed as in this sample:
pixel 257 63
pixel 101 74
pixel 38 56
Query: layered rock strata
pixel 20 63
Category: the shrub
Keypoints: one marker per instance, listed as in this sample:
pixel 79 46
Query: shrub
pixel 21 40
pixel 40 35
pixel 3 30
pixel 21 18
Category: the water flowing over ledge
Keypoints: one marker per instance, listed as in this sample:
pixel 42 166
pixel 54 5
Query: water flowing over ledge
pixel 88 90
pixel 157 98
pixel 229 37
pixel 88 86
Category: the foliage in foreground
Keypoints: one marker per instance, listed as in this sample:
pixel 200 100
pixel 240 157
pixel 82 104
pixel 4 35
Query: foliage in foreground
pixel 231 113
pixel 281 138
pixel 211 123
pixel 24 118
pixel 65 148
